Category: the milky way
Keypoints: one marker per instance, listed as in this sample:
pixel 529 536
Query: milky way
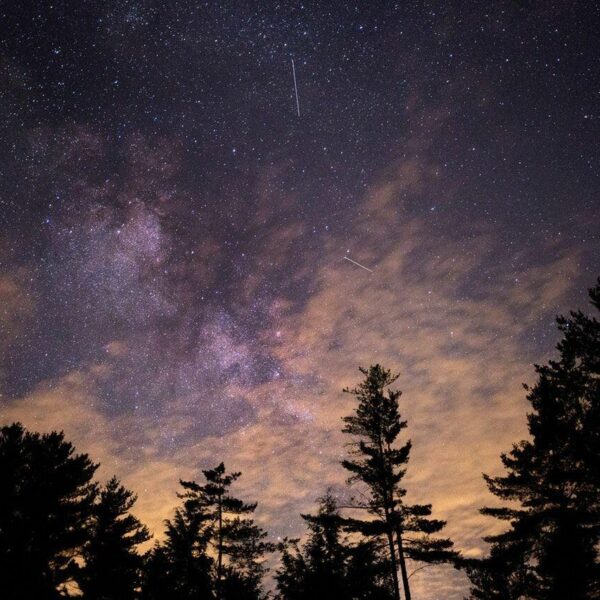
pixel 173 233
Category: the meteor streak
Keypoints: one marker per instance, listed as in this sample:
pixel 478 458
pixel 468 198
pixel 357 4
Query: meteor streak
pixel 296 87
pixel 357 264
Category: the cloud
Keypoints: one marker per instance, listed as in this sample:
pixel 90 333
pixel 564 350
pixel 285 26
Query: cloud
pixel 183 377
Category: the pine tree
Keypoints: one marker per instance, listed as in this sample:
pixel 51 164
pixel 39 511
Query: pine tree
pixel 378 463
pixel 156 576
pixel 368 571
pixel 329 565
pixel 318 569
pixel 46 502
pixel 238 543
pixel 112 565
pixel 180 567
pixel 499 576
pixel 553 479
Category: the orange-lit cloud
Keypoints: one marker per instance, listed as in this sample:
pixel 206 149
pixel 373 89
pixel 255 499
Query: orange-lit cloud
pixel 462 355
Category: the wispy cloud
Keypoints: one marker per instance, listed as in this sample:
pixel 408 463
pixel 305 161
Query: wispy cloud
pixel 255 380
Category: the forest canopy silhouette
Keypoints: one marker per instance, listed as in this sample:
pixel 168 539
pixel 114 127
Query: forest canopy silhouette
pixel 64 534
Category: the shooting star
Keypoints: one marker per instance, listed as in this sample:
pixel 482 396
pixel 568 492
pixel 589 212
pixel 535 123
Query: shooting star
pixel 358 264
pixel 296 87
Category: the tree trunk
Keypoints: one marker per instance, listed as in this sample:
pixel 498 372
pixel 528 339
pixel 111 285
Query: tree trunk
pixel 394 567
pixel 219 551
pixel 402 562
pixel 389 524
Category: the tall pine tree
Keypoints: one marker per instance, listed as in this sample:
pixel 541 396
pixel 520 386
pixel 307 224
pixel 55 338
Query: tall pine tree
pixel 380 464
pixel 46 503
pixel 550 550
pixel 112 565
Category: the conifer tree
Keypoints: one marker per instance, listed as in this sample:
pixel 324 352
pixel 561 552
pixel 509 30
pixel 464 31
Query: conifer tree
pixel 180 567
pixel 329 565
pixel 237 542
pixel 157 583
pixel 552 480
pixel 499 576
pixel 112 564
pixel 46 502
pixel 377 462
pixel 368 571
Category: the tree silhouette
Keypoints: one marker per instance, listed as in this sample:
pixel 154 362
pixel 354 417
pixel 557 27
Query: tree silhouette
pixel 46 503
pixel 500 576
pixel 112 565
pixel 238 543
pixel 212 548
pixel 329 565
pixel 318 569
pixel 156 575
pixel 380 465
pixel 180 568
pixel 550 550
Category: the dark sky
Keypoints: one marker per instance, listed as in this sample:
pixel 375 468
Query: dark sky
pixel 172 233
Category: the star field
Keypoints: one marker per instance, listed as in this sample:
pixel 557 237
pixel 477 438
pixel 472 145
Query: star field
pixel 172 233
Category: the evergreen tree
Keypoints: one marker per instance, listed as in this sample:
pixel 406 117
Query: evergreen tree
pixel 368 571
pixel 378 463
pixel 500 576
pixel 237 542
pixel 180 567
pixel 318 569
pixel 553 479
pixel 112 565
pixel 156 575
pixel 328 565
pixel 46 502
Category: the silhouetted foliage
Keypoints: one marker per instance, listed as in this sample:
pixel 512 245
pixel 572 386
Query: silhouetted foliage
pixel 238 543
pixel 499 576
pixel 212 549
pixel 62 535
pixel 46 504
pixel 380 465
pixel 550 550
pixel 157 575
pixel 329 565
pixel 180 567
pixel 112 566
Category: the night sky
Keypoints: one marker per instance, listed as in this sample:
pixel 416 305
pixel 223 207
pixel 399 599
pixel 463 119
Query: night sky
pixel 173 289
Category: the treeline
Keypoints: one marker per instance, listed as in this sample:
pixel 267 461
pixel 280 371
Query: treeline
pixel 62 534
